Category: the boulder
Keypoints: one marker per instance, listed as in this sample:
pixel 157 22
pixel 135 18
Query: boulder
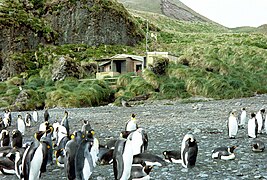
pixel 65 67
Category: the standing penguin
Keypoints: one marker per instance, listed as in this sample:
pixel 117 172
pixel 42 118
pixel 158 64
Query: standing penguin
pixel 46 114
pixel 252 126
pixel 21 124
pixel 65 122
pixel 8 116
pixel 16 139
pixel 131 124
pixel 35 116
pixel 4 138
pixel 83 160
pixel 139 141
pixel 6 122
pixel 243 118
pixel 34 159
pixel 189 150
pixel 28 119
pixel 232 125
pixel 259 117
pixel 70 152
pixel 86 127
pixel 18 160
pixel 122 159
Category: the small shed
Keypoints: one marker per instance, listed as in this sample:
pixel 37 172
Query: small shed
pixel 119 64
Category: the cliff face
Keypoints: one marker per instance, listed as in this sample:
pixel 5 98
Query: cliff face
pixel 172 10
pixel 91 22
pixel 94 22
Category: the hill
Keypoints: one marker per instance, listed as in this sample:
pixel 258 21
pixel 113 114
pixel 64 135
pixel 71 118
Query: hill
pixel 248 29
pixel 171 8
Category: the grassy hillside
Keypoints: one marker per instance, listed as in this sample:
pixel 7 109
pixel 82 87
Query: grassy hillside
pixel 171 25
pixel 248 29
pixel 147 6
pixel 213 61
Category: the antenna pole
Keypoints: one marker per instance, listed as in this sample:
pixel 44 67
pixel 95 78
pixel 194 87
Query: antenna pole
pixel 146 35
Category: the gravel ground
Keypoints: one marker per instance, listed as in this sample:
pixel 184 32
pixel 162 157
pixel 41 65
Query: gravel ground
pixel 166 122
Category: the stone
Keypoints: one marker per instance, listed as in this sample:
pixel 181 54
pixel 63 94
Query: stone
pixel 65 67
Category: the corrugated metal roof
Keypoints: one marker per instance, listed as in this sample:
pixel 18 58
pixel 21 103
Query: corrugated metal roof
pixel 123 56
pixel 103 63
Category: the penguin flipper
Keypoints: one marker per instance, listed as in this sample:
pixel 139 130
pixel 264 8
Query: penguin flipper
pixel 45 158
pixel 118 166
pixel 89 158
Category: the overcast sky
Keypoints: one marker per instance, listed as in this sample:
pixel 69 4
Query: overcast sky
pixel 232 13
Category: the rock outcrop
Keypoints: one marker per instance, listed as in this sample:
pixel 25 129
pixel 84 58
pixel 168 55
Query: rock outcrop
pixel 64 67
pixel 172 10
pixel 90 22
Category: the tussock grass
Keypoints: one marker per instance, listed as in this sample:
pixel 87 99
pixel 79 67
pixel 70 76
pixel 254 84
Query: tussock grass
pixel 123 81
pixel 71 93
pixel 151 78
pixel 15 81
pixel 35 82
pixel 3 88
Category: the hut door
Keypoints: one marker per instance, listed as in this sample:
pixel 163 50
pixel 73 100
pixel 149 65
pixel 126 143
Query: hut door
pixel 118 66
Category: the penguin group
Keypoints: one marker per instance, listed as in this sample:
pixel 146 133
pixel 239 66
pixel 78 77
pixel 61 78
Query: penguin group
pixel 256 124
pixel 78 151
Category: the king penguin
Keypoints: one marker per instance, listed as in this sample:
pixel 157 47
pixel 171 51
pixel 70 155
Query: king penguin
pixel 46 114
pixel 105 155
pixel 232 125
pixel 122 159
pixel 189 150
pixel 65 122
pixel 4 138
pixel 21 124
pixel 34 159
pixel 149 159
pixel 18 160
pixel 83 159
pixel 70 152
pixel 252 126
pixel 86 127
pixel 225 153
pixel 7 165
pixel 131 125
pixel 35 116
pixel 139 141
pixel 259 117
pixel 243 118
pixel 16 139
pixel 140 171
pixel 8 117
pixel 28 119
pixel 172 156
pixel 257 146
